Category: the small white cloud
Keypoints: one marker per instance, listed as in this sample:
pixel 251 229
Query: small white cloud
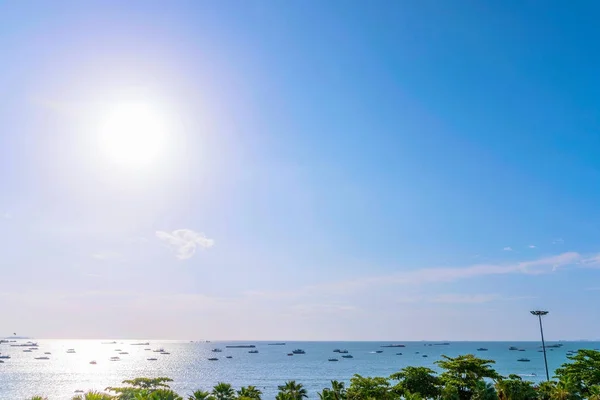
pixel 531 246
pixel 507 248
pixel 7 215
pixel 558 241
pixel 184 242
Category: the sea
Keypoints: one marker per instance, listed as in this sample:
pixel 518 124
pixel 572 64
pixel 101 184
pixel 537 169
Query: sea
pixel 59 377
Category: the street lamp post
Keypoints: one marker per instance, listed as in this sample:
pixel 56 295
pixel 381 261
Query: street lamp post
pixel 539 314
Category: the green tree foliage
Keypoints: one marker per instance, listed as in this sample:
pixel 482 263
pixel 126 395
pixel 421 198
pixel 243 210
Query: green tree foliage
pixel 200 395
pixel 93 395
pixel 583 370
pixel 465 372
pixel 141 388
pixel 223 391
pixel 366 388
pixel 291 391
pixel 515 388
pixel 249 392
pixel 484 391
pixel 336 392
pixel 417 380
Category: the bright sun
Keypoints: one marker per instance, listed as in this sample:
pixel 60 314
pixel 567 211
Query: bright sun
pixel 133 133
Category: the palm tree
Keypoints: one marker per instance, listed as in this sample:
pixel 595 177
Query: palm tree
pixel 223 391
pixel 251 392
pixel 292 391
pixel 92 395
pixel 200 395
pixel 594 392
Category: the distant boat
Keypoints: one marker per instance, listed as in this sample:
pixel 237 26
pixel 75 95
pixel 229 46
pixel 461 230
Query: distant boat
pixel 109 343
pixel 379 351
pixel 216 350
pixel 158 350
pixel 253 351
pixel 118 350
pixel 164 352
pixel 416 352
pixel 524 359
pixel 442 344
pixel 123 352
pixel 521 349
pixel 115 359
pixel 71 351
pixel 290 354
pixel 42 358
pixel 241 346
pixel 398 354
pixel 213 359
pixel 343 352
pixel 393 345
pixel 151 359
pixel 93 362
pixel 482 349
pixel 347 356
pixel 5 357
pixel 229 357
pixel 47 352
pixel 147 349
pixel 298 351
pixel 26 351
pixel 424 355
pixel 140 344
pixel 276 344
pixel 513 348
pixel 333 359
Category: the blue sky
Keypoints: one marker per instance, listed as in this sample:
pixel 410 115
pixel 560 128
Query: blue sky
pixel 334 170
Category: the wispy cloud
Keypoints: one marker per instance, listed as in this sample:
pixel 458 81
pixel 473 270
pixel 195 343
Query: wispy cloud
pixel 435 275
pixel 184 242
pixel 558 241
pixel 507 248
pixel 531 246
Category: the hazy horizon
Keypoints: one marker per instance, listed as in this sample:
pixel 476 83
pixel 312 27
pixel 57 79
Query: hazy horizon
pixel 308 170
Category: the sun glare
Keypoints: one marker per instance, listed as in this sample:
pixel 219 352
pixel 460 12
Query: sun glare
pixel 133 134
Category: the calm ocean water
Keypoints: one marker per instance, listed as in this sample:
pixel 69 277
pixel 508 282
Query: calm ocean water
pixel 23 376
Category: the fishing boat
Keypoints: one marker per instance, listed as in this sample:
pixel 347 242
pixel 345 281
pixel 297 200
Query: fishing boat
pixel 513 348
pixel 47 352
pixel 336 350
pixel 523 360
pixel 71 351
pixel 424 355
pixel 241 346
pixel 290 354
pixel 115 359
pixel 379 351
pixel 398 354
pixel 216 350
pixel 213 359
pixel 276 344
pixel 229 357
pixel 347 356
pixel 5 357
pixel 394 345
pixel 298 351
pixel 343 351
pixel 93 362
pixel 333 359
pixel 42 358
pixel 253 351
pixel 164 352
pixel 151 359
pixel 482 349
